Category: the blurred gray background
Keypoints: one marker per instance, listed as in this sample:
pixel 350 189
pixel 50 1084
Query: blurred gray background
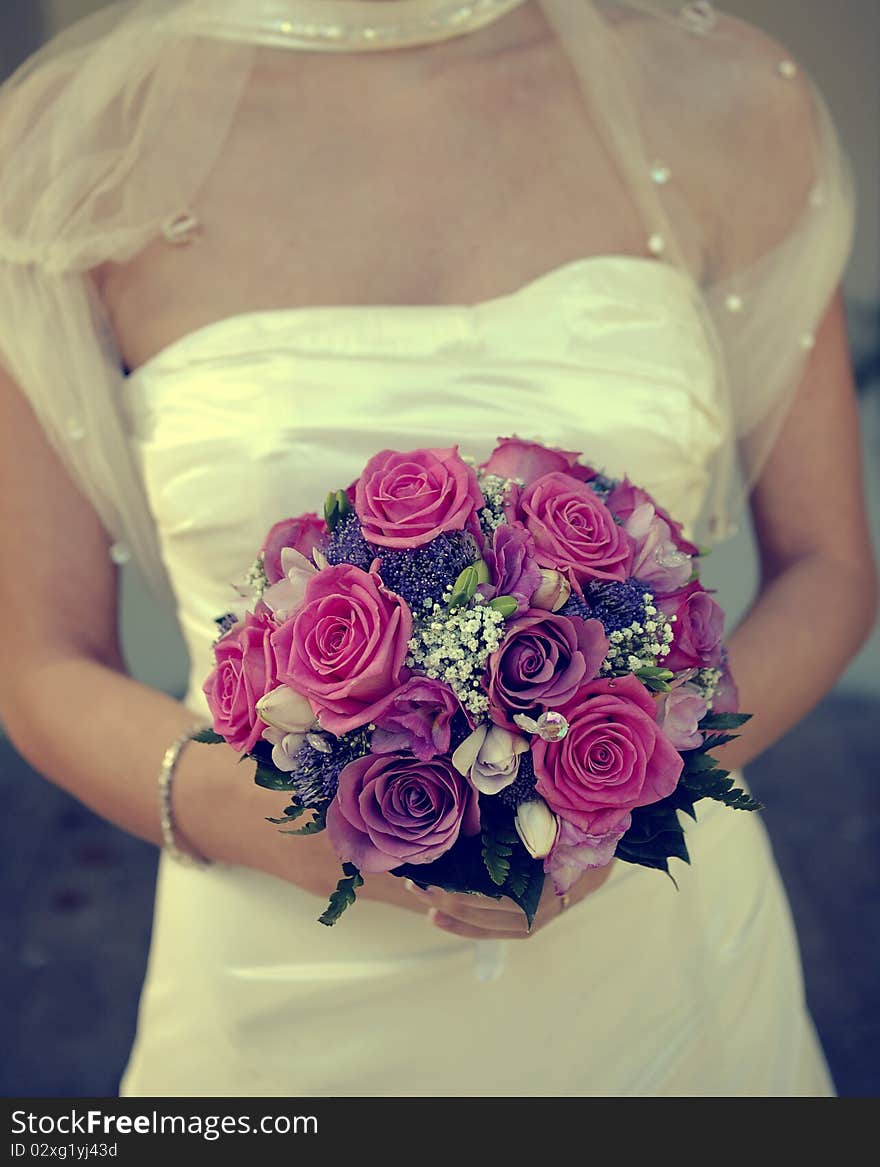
pixel 78 893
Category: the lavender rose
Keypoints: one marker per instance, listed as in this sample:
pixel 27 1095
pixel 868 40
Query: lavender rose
pixel 697 630
pixel 406 500
pixel 244 672
pixel 613 758
pixel 679 712
pixel 416 717
pixel 344 649
pixel 542 661
pixel 303 534
pixel 576 851
pixel 726 696
pixel 512 566
pixel 657 561
pixel 574 531
pixel 392 809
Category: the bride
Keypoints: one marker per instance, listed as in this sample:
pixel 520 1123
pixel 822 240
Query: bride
pixel 243 246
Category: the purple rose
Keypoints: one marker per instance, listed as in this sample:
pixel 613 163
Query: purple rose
pixel 406 500
pixel 303 534
pixel 392 809
pixel 697 630
pixel 244 671
pixel 574 532
pixel 678 714
pixel 613 758
pixel 416 717
pixel 624 499
pixel 512 566
pixel 576 851
pixel 542 661
pixel 344 649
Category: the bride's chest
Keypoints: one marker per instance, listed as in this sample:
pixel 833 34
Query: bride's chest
pixel 348 194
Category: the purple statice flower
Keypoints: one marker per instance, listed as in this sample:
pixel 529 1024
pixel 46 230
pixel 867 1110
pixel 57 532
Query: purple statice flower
pixel 316 775
pixel 417 574
pixel 617 605
pixel 576 605
pixel 347 544
pixel 524 787
pixel 421 574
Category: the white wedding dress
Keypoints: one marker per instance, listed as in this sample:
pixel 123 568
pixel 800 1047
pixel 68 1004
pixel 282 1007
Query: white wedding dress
pixel 641 989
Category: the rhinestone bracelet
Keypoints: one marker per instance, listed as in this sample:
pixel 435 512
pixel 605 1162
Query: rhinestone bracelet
pixel 166 818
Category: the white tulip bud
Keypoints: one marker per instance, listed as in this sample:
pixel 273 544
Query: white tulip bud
pixel 284 709
pixel 490 756
pixel 537 827
pixel 552 592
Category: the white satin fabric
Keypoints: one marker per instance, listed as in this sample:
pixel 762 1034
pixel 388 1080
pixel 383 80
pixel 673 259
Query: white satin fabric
pixel 638 990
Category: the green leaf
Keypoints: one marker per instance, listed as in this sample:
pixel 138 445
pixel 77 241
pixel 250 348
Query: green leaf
pixel 506 605
pixel 497 848
pixel 724 720
pixel 482 570
pixel 270 778
pixel 695 762
pixel 208 737
pixel 336 505
pixel 344 896
pixel 290 816
pixel 464 587
pixel 525 882
pixel 318 823
pixel 655 684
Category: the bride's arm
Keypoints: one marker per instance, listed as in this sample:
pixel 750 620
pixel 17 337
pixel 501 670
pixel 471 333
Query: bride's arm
pixel 817 600
pixel 70 708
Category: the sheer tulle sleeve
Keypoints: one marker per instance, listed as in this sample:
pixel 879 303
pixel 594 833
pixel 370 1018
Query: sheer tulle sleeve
pixel 765 216
pixel 105 135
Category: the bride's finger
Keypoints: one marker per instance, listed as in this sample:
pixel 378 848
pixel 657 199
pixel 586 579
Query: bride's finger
pixel 470 932
pixel 477 917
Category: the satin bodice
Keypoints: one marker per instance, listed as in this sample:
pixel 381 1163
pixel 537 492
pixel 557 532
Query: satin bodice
pixel 256 417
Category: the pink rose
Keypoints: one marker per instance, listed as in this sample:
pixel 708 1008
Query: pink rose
pixel 574 531
pixel 697 630
pixel 303 534
pixel 514 458
pixel 244 672
pixel 392 809
pixel 613 758
pixel 624 499
pixel 344 648
pixel 406 500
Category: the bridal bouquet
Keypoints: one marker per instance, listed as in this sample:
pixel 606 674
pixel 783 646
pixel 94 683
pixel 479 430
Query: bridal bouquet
pixel 479 676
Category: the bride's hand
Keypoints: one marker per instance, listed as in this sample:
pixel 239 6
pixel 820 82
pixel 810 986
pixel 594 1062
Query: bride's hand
pixel 482 918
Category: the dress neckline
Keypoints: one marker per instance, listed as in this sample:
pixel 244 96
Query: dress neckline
pixel 341 25
pixel 548 281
